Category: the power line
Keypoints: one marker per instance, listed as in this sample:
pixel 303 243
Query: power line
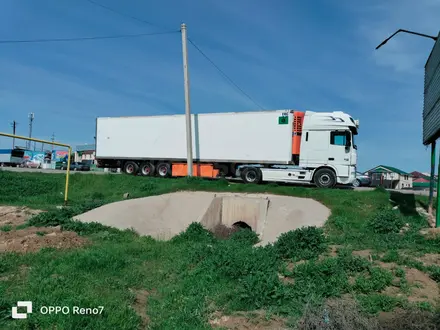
pixel 124 15
pixel 85 38
pixel 195 46
pixel 225 75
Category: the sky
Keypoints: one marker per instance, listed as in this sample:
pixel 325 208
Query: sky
pixel 285 54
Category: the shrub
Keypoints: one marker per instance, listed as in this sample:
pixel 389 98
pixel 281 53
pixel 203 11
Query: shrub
pixel 258 290
pixel 412 319
pixel 194 233
pixel 376 302
pixel 386 221
pixel 337 315
pixel 324 278
pixel 352 264
pixel 391 256
pixel 245 236
pixel 233 260
pixel 6 228
pixel 377 280
pixel 302 243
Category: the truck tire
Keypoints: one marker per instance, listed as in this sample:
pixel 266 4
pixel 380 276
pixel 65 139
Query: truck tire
pixel 131 168
pixel 147 169
pixel 164 170
pixel 251 175
pixel 324 178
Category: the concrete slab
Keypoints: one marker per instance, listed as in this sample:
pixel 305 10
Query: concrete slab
pixel 164 216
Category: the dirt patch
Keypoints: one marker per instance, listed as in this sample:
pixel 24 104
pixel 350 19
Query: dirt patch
pixel 140 305
pixel 32 239
pixel 256 320
pixel 393 292
pixel 364 254
pixel 423 287
pixel 430 259
pixel 15 216
pixel 387 265
pixel 286 280
pixel 430 233
pixel 334 250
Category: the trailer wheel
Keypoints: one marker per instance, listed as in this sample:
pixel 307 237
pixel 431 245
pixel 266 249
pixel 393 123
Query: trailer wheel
pixel 164 170
pixel 147 169
pixel 325 178
pixel 251 175
pixel 131 168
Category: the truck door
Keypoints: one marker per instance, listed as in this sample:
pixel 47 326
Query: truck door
pixel 339 152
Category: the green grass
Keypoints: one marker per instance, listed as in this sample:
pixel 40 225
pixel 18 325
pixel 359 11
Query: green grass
pixel 6 228
pixel 195 274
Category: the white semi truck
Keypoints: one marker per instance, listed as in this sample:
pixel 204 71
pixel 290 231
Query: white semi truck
pixel 272 146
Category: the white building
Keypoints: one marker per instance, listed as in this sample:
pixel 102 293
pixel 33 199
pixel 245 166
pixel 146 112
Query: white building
pixel 390 177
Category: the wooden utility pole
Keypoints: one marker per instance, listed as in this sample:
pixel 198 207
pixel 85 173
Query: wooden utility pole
pixel 31 121
pixel 189 160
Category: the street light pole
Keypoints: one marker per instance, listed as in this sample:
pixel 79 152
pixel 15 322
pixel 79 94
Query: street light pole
pixel 189 160
pixel 432 181
pixel 406 31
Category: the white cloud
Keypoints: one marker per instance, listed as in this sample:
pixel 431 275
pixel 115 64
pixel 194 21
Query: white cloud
pixel 405 54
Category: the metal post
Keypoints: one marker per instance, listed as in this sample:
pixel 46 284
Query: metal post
pixel 14 127
pixel 189 160
pixel 66 192
pixel 432 181
pixel 437 218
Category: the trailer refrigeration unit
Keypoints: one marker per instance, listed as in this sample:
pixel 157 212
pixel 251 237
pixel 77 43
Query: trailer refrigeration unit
pixel 277 146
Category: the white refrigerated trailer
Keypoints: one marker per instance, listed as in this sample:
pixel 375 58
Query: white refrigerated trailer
pixel 276 145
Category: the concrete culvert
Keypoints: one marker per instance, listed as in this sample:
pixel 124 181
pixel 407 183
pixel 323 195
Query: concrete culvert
pixel 241 225
pixel 224 232
pixel 165 216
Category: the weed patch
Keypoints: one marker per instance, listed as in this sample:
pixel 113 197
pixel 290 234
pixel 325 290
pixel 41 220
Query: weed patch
pixel 376 280
pixel 302 243
pixel 386 221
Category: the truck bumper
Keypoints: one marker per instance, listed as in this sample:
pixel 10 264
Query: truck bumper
pixel 348 180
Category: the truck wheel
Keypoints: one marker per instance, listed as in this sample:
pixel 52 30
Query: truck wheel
pixel 164 170
pixel 131 168
pixel 325 178
pixel 356 183
pixel 251 175
pixel 147 169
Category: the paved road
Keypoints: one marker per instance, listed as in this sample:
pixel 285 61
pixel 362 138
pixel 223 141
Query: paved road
pixel 51 171
pixel 403 191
